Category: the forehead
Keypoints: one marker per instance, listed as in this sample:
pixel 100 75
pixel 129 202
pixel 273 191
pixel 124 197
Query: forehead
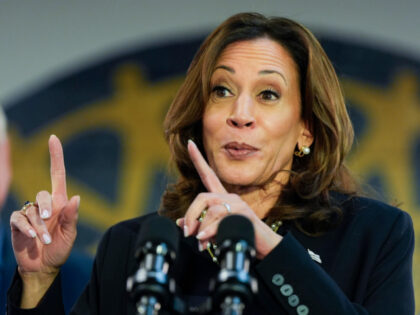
pixel 261 52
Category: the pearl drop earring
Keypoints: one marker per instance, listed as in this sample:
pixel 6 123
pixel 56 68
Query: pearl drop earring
pixel 304 150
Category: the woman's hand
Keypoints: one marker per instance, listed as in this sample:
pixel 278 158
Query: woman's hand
pixel 213 202
pixel 43 234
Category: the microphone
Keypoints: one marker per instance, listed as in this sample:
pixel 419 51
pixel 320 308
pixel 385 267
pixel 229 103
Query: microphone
pixel 234 287
pixel 156 247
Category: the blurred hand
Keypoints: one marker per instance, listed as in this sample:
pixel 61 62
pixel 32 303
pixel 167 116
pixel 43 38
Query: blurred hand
pixel 43 235
pixel 212 201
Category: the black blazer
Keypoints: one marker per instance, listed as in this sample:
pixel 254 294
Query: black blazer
pixel 364 266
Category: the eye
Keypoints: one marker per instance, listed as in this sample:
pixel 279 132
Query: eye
pixel 269 95
pixel 221 91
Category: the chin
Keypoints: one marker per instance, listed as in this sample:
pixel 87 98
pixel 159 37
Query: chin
pixel 238 178
pixel 238 174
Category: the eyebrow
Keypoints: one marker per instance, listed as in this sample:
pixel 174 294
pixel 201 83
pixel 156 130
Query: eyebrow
pixel 274 71
pixel 231 70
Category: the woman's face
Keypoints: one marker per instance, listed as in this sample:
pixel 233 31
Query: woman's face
pixel 252 121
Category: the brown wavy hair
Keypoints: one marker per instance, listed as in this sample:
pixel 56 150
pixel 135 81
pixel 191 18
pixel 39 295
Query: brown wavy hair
pixel 306 198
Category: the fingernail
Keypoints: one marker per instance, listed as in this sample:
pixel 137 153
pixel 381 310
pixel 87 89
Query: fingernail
pixel 200 247
pixel 178 222
pixel 186 234
pixel 200 235
pixel 190 141
pixel 32 233
pixel 78 202
pixel 45 214
pixel 47 238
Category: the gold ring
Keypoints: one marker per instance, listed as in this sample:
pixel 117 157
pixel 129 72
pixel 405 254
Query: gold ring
pixel 202 215
pixel 26 205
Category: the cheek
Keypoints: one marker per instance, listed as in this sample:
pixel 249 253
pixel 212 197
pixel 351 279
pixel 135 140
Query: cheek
pixel 212 123
pixel 283 133
pixel 282 125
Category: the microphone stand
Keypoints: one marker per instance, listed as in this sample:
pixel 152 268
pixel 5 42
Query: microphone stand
pixel 148 305
pixel 234 287
pixel 232 306
pixel 150 286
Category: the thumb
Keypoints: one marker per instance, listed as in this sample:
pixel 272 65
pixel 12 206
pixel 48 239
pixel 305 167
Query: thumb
pixel 70 213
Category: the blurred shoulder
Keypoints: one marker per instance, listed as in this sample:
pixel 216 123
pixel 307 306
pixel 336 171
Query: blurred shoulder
pixel 131 226
pixel 371 212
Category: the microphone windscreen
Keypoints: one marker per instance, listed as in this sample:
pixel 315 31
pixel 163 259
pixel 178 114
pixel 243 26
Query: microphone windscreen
pixel 235 227
pixel 159 230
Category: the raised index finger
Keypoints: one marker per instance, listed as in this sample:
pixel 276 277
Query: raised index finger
pixel 206 173
pixel 58 171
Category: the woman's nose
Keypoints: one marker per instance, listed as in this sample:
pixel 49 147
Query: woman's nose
pixel 242 115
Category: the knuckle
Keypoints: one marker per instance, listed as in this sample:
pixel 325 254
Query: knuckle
pixel 58 172
pixel 15 214
pixel 30 212
pixel 187 218
pixel 215 212
pixel 214 201
pixel 33 216
pixel 18 220
pixel 15 217
pixel 202 198
pixel 209 213
pixel 59 198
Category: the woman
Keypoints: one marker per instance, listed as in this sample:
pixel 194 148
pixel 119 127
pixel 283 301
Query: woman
pixel 262 102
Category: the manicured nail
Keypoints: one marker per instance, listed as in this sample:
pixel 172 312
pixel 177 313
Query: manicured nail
pixel 192 142
pixel 47 238
pixel 178 222
pixel 200 247
pixel 78 201
pixel 45 214
pixel 200 235
pixel 186 234
pixel 32 233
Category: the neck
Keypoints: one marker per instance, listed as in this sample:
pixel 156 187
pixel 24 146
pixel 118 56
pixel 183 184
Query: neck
pixel 262 198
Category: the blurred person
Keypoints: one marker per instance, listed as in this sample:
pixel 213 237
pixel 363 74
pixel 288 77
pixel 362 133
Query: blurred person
pixel 259 128
pixel 7 260
pixel 76 270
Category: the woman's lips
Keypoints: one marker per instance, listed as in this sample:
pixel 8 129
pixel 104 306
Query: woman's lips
pixel 238 150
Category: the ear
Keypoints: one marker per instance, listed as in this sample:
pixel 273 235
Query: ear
pixel 305 138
